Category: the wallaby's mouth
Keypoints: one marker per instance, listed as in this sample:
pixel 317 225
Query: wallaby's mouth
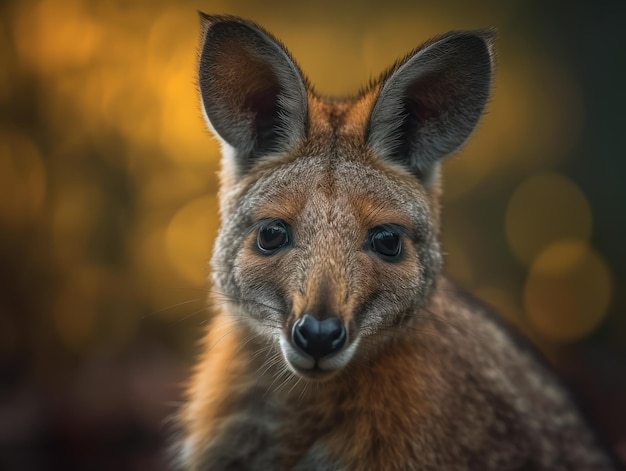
pixel 317 350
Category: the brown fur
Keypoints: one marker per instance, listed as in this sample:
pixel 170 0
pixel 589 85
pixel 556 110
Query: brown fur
pixel 427 379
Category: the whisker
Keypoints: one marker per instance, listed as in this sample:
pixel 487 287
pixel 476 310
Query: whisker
pixel 270 363
pixel 189 316
pixel 288 375
pixel 223 336
pixel 294 385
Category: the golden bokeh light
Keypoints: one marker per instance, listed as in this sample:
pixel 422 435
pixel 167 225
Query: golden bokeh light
pixel 48 35
pixel 183 134
pixel 188 239
pixel 380 49
pixel 171 65
pixel 545 208
pixel 178 185
pixel 568 291
pixel 314 61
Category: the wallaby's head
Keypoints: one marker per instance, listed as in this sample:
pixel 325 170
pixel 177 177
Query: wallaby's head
pixel 329 236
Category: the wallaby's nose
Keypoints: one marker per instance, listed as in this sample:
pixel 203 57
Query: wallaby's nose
pixel 318 338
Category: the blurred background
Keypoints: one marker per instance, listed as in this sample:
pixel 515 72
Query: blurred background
pixel 108 209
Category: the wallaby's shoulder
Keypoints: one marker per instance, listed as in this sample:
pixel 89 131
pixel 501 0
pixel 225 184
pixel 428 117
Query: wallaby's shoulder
pixel 499 372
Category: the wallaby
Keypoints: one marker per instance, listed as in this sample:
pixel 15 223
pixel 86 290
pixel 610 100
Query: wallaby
pixel 337 343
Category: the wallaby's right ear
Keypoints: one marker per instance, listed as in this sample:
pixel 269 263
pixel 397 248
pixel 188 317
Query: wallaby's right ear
pixel 430 102
pixel 253 94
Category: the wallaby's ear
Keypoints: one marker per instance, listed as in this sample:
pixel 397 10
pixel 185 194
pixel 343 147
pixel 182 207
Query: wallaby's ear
pixel 253 94
pixel 430 102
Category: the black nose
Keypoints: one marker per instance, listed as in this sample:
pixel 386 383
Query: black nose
pixel 318 338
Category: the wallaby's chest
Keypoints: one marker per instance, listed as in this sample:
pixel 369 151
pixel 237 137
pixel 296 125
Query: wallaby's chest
pixel 379 417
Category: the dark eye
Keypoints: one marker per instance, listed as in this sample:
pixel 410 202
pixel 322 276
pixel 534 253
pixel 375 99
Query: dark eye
pixel 386 242
pixel 272 236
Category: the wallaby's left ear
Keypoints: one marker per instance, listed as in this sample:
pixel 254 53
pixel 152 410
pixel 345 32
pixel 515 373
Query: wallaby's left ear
pixel 430 102
pixel 254 95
